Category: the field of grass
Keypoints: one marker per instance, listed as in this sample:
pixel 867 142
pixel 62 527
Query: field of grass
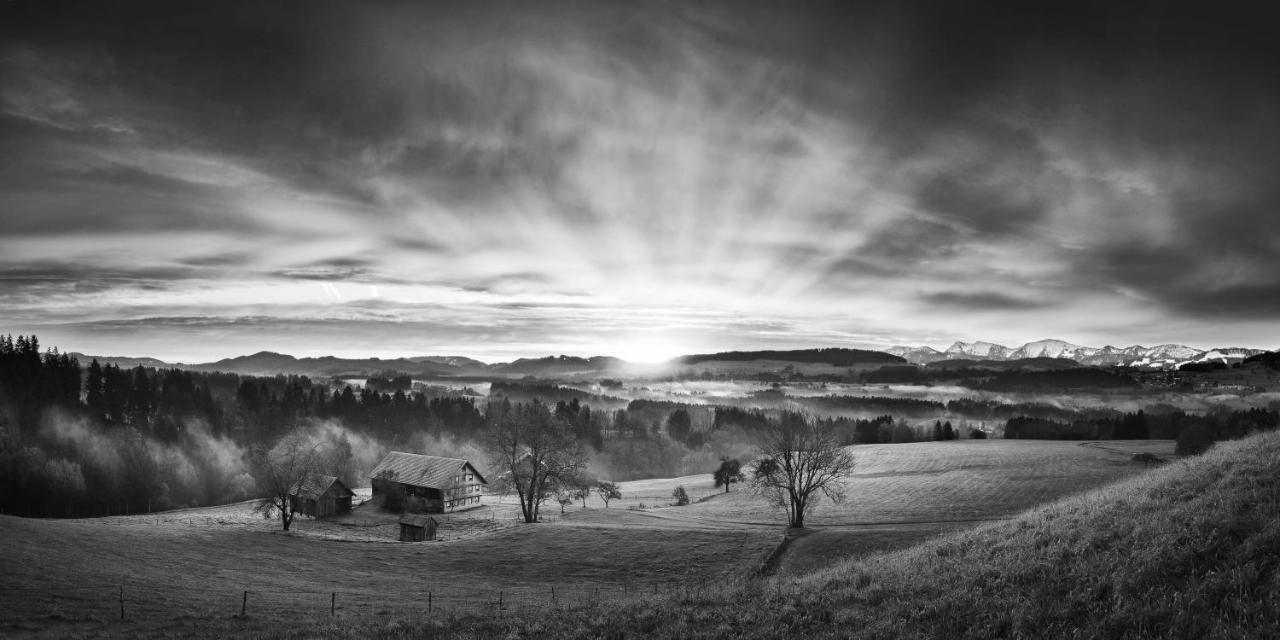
pixel 1186 550
pixel 64 577
pixel 948 481
pixel 184 572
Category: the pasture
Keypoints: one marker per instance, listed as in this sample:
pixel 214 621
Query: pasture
pixel 62 577
pixel 182 569
pixel 950 481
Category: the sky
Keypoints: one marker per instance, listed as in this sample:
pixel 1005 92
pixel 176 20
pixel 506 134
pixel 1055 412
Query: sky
pixel 193 181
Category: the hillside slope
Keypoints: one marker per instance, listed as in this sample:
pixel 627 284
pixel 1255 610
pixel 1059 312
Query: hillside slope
pixel 1187 550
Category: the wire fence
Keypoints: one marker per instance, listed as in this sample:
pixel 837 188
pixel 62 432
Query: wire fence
pixel 141 602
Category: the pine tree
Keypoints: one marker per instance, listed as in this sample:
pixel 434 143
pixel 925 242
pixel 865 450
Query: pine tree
pixel 93 395
pixel 140 400
pixel 115 391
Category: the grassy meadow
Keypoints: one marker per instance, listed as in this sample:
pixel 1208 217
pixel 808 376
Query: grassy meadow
pixel 64 577
pixel 948 481
pixel 967 539
pixel 1185 550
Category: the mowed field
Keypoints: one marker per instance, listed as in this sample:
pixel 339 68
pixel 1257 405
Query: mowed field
pixel 182 569
pixel 949 481
pixel 64 577
pixel 902 494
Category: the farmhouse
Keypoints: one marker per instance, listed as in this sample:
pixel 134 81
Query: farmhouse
pixel 321 496
pixel 440 483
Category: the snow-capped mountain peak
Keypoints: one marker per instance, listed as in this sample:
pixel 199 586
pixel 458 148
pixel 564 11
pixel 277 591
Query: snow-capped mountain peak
pixel 978 350
pixel 1052 349
pixel 1165 356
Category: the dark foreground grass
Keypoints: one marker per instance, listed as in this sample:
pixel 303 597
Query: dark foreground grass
pixel 1188 550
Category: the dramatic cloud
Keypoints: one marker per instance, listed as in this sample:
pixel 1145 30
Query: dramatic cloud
pixel 594 177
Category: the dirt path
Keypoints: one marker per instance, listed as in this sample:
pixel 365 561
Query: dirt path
pixel 824 546
pixel 799 550
pixel 1127 448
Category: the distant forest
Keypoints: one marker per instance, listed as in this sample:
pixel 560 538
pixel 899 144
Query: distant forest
pixel 81 439
pixel 1173 425
pixel 106 440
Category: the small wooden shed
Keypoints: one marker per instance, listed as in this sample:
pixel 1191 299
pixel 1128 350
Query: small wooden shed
pixel 321 496
pixel 417 528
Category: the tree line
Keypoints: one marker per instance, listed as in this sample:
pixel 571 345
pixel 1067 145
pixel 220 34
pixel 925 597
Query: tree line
pixel 106 440
pixel 1173 425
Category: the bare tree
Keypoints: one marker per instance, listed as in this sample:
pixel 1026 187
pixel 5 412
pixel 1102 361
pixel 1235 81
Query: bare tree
pixel 565 498
pixel 730 471
pixel 580 487
pixel 534 449
pixel 283 470
pixel 608 491
pixel 800 460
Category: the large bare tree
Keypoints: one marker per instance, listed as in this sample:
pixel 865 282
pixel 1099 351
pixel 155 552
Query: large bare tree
pixel 534 450
pixel 282 470
pixel 800 460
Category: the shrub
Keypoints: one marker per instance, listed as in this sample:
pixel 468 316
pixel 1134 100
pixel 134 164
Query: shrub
pixel 977 434
pixel 681 496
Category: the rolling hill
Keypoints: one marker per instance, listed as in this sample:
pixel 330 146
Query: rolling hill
pixel 1186 550
pixel 834 357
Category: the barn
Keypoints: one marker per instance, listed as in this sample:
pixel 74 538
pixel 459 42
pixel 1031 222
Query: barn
pixel 439 483
pixel 321 496
pixel 417 528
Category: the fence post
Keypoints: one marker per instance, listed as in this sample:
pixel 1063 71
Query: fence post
pixel 244 603
pixel 333 603
pixel 428 602
pixel 122 602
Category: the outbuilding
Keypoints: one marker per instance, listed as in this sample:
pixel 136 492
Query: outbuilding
pixel 320 496
pixel 417 528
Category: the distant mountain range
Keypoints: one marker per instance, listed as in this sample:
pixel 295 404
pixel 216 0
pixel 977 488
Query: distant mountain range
pixel 834 356
pixel 268 363
pixel 1045 354
pixel 1163 356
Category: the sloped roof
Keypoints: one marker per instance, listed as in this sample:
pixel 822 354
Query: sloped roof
pixel 414 469
pixel 416 520
pixel 317 485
